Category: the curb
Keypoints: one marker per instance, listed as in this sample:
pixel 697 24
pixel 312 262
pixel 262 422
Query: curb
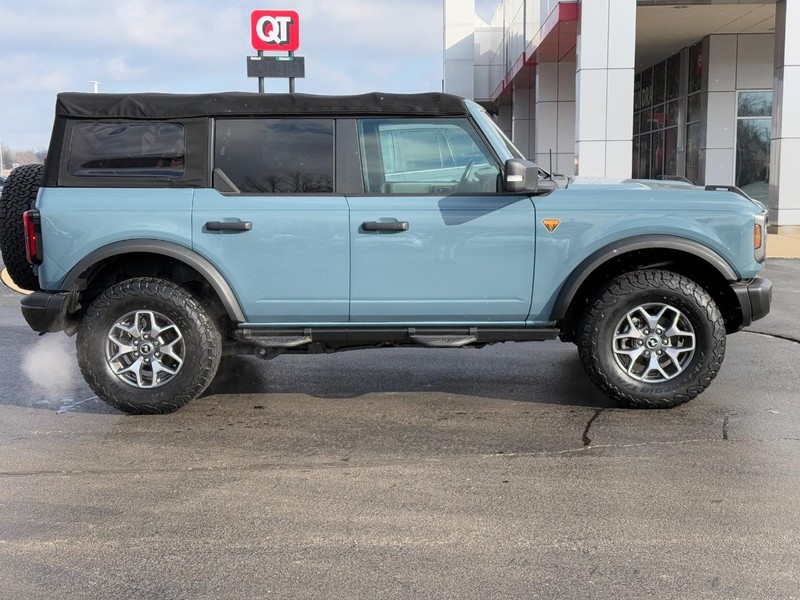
pixel 782 246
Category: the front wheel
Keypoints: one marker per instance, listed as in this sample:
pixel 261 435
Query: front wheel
pixel 148 346
pixel 652 339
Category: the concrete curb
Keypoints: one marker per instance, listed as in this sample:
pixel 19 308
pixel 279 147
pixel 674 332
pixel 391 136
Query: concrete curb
pixel 783 246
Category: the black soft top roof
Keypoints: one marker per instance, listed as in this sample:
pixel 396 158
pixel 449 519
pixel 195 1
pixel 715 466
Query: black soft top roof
pixel 174 106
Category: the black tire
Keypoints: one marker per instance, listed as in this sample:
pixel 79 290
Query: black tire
pixel 644 368
pixel 189 342
pixel 19 195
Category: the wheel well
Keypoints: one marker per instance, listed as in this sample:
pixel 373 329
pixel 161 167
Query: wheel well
pixel 683 263
pixel 121 267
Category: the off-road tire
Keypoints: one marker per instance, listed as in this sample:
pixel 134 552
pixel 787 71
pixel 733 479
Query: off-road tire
pixel 626 293
pixel 19 195
pixel 202 345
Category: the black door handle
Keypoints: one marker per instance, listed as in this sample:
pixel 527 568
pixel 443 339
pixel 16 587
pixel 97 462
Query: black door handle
pixel 385 226
pixel 229 226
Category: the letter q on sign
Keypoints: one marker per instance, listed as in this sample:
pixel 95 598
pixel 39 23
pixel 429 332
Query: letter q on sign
pixel 275 30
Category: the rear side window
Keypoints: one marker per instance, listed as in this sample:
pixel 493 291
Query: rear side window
pixel 127 150
pixel 276 156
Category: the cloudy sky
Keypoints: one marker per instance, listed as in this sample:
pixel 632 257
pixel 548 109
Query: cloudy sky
pixel 185 46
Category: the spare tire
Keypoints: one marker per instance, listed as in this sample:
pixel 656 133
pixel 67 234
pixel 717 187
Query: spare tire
pixel 19 195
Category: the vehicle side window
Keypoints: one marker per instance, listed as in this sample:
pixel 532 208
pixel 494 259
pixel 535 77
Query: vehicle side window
pixel 127 150
pixel 276 156
pixel 425 156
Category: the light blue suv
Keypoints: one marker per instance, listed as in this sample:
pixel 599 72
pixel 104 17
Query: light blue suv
pixel 172 229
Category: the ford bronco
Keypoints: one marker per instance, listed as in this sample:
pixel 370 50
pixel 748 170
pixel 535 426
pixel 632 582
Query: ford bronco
pixel 169 230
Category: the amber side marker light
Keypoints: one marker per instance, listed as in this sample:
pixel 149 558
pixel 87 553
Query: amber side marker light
pixel 551 224
pixel 757 236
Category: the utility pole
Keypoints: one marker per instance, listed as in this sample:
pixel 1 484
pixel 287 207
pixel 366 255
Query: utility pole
pixel 95 86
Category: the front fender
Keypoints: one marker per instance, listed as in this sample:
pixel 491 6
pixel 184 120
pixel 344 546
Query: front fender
pixel 637 243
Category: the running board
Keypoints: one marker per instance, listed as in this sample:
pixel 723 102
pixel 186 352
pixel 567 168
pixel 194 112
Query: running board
pixel 444 341
pixel 434 337
pixel 274 339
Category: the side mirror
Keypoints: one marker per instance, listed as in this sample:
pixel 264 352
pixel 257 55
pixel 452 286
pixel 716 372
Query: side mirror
pixel 521 176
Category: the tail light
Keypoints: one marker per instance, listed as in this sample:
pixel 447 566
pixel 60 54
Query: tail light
pixel 33 236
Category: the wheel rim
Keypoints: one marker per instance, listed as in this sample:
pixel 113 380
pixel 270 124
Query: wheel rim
pixel 145 349
pixel 654 342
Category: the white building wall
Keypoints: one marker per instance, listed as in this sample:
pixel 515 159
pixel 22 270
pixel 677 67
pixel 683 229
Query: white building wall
pixel 604 88
pixel 720 110
pixel 734 63
pixel 523 119
pixel 785 152
pixel 555 117
pixel 488 71
pixel 459 47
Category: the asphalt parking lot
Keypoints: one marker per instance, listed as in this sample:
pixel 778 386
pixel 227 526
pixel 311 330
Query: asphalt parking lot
pixel 493 473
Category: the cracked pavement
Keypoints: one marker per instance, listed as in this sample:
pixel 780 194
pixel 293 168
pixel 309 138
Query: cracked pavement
pixel 493 473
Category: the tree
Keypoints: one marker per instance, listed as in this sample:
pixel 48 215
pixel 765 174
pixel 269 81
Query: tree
pixel 12 156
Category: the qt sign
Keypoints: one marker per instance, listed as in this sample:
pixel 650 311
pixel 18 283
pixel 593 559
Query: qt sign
pixel 275 30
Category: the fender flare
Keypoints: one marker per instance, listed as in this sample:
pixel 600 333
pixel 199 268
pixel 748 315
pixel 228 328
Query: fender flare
pixel 632 244
pixel 171 250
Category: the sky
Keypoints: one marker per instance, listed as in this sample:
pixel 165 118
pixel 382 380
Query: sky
pixel 182 46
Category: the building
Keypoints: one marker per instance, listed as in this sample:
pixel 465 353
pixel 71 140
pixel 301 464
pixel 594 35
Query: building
pixel 705 90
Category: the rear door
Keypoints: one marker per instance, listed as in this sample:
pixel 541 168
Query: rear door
pixel 433 240
pixel 274 226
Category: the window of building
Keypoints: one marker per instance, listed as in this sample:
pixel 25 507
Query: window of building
pixel 656 108
pixel 694 128
pixel 753 133
pixel 127 150
pixel 418 156
pixel 696 68
pixel 276 156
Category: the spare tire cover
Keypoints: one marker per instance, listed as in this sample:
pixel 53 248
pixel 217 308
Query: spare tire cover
pixel 19 195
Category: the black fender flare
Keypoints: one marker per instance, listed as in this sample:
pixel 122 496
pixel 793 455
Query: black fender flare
pixel 632 244
pixel 171 250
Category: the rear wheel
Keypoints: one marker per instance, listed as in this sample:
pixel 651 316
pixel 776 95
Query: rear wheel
pixel 652 339
pixel 19 195
pixel 148 346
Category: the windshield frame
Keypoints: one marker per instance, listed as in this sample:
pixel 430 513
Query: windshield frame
pixel 504 147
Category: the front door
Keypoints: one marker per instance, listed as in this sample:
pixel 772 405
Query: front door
pixel 433 240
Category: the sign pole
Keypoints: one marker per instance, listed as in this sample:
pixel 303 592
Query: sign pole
pixel 261 79
pixel 291 79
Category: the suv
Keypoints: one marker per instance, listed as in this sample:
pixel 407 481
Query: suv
pixel 169 230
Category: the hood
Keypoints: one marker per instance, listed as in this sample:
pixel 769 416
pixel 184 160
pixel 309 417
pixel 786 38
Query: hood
pixel 657 184
pixel 630 184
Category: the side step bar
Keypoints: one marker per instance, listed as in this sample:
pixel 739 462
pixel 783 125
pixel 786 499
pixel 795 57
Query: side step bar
pixel 431 337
